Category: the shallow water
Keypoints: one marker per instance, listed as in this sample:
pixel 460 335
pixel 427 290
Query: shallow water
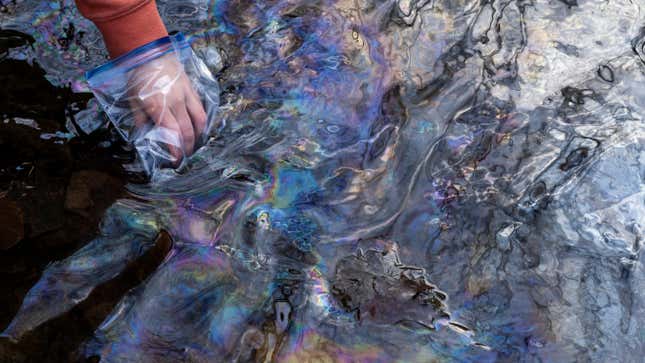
pixel 404 181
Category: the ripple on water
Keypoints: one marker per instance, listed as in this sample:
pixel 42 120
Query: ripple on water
pixel 394 180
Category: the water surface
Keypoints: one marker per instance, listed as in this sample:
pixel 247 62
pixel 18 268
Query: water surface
pixel 404 181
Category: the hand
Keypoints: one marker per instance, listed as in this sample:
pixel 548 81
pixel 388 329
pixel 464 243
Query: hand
pixel 162 93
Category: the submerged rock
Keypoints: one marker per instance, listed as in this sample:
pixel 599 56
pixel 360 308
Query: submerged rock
pixel 84 187
pixel 12 227
pixel 375 285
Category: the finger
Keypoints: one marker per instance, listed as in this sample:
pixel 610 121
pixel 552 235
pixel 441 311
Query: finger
pixel 171 125
pixel 155 108
pixel 162 117
pixel 140 117
pixel 186 127
pixel 196 111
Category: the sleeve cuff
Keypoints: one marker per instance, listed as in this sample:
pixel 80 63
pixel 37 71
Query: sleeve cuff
pixel 132 30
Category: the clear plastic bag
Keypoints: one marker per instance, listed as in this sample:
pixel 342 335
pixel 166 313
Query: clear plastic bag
pixel 162 99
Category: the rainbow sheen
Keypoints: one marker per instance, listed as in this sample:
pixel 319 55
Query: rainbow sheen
pixel 392 181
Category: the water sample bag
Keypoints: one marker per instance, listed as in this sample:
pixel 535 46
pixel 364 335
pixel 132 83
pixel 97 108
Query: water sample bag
pixel 162 99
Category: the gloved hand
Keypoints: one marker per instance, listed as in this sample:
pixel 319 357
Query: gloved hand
pixel 161 98
pixel 161 93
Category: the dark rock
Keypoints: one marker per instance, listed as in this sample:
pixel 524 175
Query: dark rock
pixel 10 38
pixel 377 286
pixel 12 227
pixel 26 92
pixel 85 187
pixel 44 207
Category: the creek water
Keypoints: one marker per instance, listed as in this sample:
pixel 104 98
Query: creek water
pixel 406 181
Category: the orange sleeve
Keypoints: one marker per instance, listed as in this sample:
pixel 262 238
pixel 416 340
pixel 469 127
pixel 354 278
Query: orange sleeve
pixel 124 24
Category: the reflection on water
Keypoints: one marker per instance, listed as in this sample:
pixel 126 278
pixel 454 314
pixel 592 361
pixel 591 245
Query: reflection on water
pixel 404 181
